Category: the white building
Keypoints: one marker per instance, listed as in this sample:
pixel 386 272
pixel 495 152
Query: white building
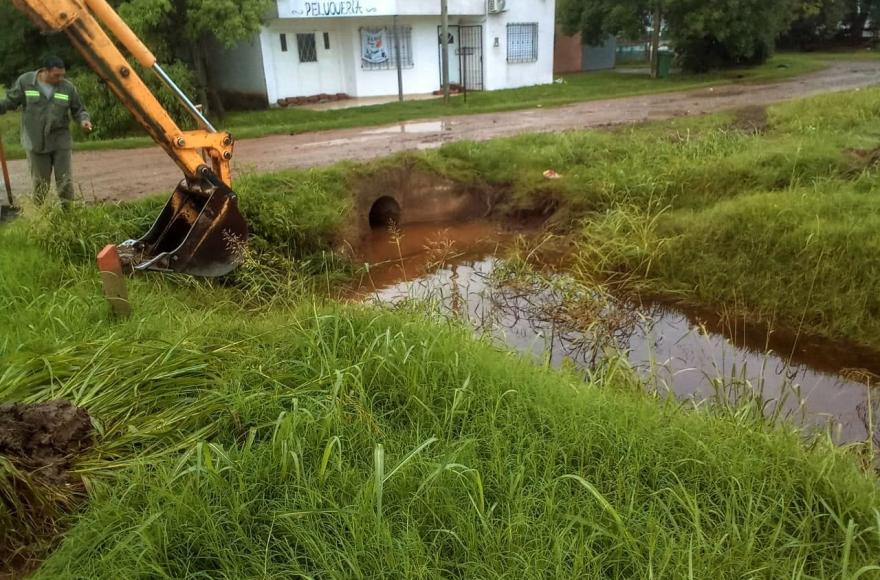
pixel 350 46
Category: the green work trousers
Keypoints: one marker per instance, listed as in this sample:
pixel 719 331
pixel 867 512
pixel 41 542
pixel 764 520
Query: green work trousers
pixel 42 165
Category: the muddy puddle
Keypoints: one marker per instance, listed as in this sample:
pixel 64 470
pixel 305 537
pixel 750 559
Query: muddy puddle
pixel 458 268
pixel 418 127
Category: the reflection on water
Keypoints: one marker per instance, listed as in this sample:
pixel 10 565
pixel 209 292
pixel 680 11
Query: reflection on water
pixel 555 319
pixel 419 127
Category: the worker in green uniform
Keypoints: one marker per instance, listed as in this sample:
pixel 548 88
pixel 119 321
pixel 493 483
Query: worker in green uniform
pixel 48 101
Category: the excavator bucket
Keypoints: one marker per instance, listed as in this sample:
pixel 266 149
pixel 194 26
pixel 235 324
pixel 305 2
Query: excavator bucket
pixel 199 232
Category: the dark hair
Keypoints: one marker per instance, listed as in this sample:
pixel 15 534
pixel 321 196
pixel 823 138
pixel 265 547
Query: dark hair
pixel 50 62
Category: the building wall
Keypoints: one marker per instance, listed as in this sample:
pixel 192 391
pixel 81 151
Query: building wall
pixel 498 73
pixel 568 53
pixel 423 77
pixel 368 8
pixel 287 77
pixel 339 69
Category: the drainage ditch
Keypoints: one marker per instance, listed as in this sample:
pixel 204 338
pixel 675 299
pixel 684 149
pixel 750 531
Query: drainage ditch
pixel 696 355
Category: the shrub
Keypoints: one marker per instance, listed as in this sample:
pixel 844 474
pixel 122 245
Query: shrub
pixel 112 119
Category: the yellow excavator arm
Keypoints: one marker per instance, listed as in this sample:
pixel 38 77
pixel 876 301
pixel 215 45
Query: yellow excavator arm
pixel 201 230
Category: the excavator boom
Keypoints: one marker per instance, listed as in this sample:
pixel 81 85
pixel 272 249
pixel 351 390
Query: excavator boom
pixel 200 231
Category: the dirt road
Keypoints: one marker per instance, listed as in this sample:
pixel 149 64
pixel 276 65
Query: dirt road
pixel 126 174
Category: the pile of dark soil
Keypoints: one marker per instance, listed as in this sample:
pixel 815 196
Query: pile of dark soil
pixel 43 439
pixel 38 446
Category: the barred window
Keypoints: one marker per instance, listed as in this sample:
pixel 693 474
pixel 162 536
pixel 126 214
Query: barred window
pixel 379 48
pixel 522 42
pixel 308 51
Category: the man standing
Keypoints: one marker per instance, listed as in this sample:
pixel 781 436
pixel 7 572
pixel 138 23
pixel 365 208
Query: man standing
pixel 48 102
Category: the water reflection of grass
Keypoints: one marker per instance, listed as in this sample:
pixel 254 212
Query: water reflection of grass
pixel 516 302
pixel 777 219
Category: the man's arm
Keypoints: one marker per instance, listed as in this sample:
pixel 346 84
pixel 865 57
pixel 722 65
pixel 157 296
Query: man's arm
pixel 79 111
pixel 14 98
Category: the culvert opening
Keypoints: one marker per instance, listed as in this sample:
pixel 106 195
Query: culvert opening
pixel 384 213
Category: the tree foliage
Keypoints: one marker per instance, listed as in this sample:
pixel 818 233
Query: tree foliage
pixel 177 31
pixel 22 46
pixel 819 22
pixel 597 19
pixel 726 32
pixel 112 119
pixel 183 28
pixel 705 34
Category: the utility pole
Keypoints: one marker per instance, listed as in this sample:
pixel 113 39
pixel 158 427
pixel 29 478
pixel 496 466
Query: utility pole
pixel 655 40
pixel 398 58
pixel 444 43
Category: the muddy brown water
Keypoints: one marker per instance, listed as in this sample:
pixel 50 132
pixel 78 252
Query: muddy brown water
pixel 690 353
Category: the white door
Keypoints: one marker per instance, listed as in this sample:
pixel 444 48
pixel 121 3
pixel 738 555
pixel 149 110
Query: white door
pixel 304 54
pixel 330 59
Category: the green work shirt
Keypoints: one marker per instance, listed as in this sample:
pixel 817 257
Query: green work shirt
pixel 45 123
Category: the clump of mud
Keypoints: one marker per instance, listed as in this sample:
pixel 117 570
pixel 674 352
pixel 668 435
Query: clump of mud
pixel 42 439
pixel 862 159
pixel 752 119
pixel 38 444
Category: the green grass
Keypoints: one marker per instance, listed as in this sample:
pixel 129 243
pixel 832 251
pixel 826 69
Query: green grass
pixel 778 224
pixel 256 428
pixel 308 438
pixel 577 88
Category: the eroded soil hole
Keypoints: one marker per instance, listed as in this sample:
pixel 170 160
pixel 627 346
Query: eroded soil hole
pixel 384 213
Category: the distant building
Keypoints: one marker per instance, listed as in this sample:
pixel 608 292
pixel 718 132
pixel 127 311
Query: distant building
pixel 351 47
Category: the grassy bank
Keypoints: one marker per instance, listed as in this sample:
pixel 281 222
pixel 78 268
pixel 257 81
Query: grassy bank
pixel 239 437
pixel 254 427
pixel 766 212
pixel 575 88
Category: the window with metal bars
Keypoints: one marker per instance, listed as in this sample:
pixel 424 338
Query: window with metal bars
pixel 308 51
pixel 522 42
pixel 379 47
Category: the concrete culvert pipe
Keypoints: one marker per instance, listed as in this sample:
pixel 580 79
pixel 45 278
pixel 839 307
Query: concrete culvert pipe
pixel 384 213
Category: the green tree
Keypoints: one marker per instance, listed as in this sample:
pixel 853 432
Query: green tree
pixel 185 29
pixel 595 20
pixel 858 12
pixel 705 34
pixel 173 29
pixel 727 32
pixel 816 22
pixel 22 46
